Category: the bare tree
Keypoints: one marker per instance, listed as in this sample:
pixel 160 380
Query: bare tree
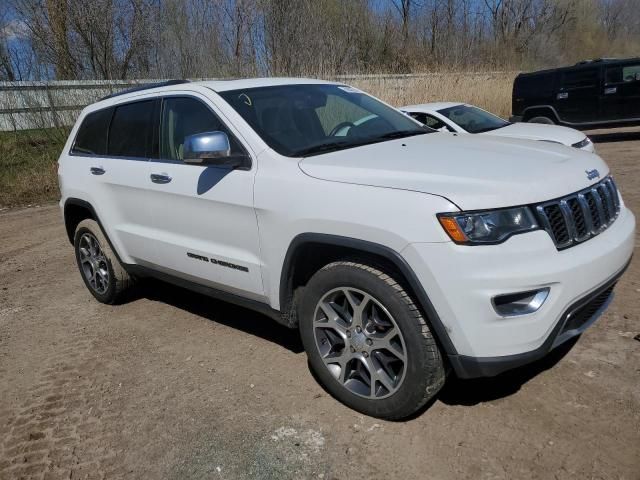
pixel 72 39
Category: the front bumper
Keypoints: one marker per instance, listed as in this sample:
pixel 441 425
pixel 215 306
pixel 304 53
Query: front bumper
pixel 576 319
pixel 461 281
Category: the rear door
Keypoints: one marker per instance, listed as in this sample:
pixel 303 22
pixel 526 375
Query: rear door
pixel 205 225
pixel 621 94
pixel 112 149
pixel 577 99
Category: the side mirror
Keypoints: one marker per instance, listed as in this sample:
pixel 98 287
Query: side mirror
pixel 209 148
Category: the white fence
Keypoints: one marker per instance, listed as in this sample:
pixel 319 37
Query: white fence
pixel 29 105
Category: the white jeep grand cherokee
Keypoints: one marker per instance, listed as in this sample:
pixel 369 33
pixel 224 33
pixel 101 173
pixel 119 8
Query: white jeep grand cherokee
pixel 400 254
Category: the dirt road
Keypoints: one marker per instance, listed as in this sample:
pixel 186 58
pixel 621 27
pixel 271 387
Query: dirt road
pixel 175 385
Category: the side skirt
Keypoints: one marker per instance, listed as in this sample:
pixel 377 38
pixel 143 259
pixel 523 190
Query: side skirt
pixel 254 305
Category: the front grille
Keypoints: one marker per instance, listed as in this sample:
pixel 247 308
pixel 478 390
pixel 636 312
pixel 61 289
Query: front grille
pixel 578 217
pixel 583 314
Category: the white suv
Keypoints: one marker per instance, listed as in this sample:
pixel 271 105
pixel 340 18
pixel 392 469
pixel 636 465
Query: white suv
pixel 400 254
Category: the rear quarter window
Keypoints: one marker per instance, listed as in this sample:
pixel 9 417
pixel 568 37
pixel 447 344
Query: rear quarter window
pixel 92 134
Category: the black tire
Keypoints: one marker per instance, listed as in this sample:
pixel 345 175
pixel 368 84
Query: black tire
pixel 423 370
pixel 541 119
pixel 119 282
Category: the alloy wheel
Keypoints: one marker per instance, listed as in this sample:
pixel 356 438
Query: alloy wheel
pixel 93 263
pixel 360 343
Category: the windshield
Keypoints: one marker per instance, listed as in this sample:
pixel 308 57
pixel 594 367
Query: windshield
pixel 301 120
pixel 473 119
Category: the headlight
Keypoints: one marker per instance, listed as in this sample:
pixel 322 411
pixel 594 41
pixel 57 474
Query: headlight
pixel 489 226
pixel 582 143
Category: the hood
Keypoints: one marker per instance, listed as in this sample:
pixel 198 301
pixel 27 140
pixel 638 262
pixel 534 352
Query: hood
pixel 538 131
pixel 473 171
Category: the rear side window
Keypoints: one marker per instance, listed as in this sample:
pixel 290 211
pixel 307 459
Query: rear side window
pixel 92 134
pixel 131 130
pixel 583 78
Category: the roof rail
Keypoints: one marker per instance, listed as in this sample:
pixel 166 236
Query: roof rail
pixel 145 86
pixel 596 60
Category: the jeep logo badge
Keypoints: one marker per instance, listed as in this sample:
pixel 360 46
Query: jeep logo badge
pixel 591 174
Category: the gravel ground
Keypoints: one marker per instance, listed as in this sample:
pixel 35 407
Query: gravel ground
pixel 175 385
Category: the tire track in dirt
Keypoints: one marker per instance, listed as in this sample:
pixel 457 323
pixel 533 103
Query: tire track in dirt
pixel 64 427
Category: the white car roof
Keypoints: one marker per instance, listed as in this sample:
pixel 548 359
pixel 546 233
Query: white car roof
pixel 430 107
pixel 215 85
pixel 225 85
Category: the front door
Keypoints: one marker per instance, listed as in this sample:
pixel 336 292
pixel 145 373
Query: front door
pixel 621 95
pixel 205 225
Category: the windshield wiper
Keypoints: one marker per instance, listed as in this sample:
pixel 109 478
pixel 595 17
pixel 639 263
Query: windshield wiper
pixel 323 148
pixel 490 129
pixel 401 134
pixel 331 147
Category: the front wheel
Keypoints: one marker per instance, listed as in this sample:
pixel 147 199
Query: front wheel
pixel 367 342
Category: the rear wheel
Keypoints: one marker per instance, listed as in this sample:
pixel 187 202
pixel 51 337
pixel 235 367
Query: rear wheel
pixel 367 342
pixel 101 270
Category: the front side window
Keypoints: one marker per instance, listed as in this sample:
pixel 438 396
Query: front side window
pixel 92 134
pixel 183 116
pixel 131 130
pixel 473 119
pixel 631 73
pixel 300 120
pixel 623 74
pixel 429 121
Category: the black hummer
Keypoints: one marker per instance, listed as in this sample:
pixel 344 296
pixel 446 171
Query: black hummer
pixel 591 94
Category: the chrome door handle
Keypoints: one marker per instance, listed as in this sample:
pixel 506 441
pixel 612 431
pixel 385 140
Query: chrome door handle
pixel 160 178
pixel 97 170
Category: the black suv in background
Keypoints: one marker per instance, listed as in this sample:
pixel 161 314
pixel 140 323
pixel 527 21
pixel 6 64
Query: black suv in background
pixel 591 94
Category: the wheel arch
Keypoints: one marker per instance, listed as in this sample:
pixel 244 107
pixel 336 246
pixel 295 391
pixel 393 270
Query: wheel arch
pixel 308 252
pixel 75 210
pixel 541 110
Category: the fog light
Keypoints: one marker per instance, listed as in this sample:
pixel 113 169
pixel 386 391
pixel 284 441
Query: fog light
pixel 521 303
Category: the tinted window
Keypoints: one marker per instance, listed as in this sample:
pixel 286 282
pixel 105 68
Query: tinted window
pixel 301 120
pixel 131 130
pixel 580 78
pixel 620 74
pixel 631 73
pixel 92 134
pixel 534 85
pixel 184 116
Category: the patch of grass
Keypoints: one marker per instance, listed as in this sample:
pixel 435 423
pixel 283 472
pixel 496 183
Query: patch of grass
pixel 28 166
